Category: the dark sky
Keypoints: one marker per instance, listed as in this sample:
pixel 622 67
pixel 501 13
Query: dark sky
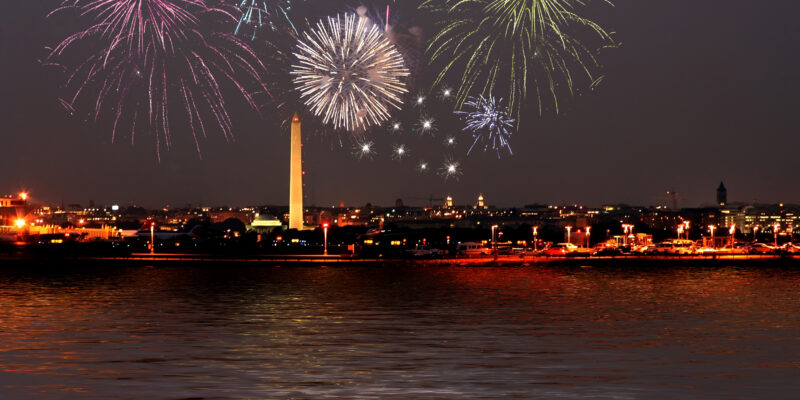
pixel 699 91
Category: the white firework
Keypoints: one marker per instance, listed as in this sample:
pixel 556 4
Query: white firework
pixel 365 149
pixel 423 167
pixel 426 125
pixel 489 123
pixel 348 73
pixel 450 169
pixel 399 152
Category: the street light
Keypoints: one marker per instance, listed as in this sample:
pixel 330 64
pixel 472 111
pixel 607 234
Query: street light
pixel 20 223
pixel 494 241
pixel 325 232
pixel 775 230
pixel 152 238
pixel 569 232
pixel 711 228
pixel 628 228
pixel 588 232
pixel 535 234
pixel 680 231
pixel 732 231
pixel 686 229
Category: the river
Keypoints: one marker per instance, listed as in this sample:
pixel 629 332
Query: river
pixel 432 332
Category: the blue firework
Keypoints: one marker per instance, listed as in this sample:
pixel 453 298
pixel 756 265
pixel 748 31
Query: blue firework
pixel 489 123
pixel 257 14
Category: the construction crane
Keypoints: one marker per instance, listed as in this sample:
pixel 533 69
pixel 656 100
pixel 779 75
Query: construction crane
pixel 429 199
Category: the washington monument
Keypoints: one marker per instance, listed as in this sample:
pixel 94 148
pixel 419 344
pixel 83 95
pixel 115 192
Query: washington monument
pixel 296 176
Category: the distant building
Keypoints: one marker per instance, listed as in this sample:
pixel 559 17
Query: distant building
pixel 265 223
pixel 13 208
pixel 481 203
pixel 722 194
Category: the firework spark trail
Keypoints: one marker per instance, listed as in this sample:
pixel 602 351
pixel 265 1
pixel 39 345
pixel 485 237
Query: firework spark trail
pixel 488 122
pixel 348 73
pixel 151 54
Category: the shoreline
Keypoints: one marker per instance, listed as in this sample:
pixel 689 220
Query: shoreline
pixel 319 260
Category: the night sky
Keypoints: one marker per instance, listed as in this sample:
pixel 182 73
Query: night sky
pixel 698 92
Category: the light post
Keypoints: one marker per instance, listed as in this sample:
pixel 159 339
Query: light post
pixel 152 238
pixel 755 234
pixel 686 229
pixel 628 229
pixel 732 231
pixel 588 232
pixel 494 241
pixel 680 231
pixel 711 228
pixel 775 231
pixel 325 235
pixel 569 232
pixel 535 234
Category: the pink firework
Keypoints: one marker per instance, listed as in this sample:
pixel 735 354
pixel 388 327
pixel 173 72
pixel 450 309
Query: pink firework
pixel 136 58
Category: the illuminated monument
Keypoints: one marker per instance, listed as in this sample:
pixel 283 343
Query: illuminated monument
pixel 296 177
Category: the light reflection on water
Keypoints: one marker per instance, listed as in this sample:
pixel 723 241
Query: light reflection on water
pixel 413 332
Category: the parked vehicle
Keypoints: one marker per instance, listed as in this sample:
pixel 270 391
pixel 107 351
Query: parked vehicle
pixel 560 249
pixel 644 249
pixel 607 252
pixel 470 249
pixel 674 246
pixel 791 248
pixel 424 250
pixel 761 248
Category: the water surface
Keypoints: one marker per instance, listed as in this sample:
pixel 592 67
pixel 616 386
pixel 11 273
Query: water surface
pixel 400 332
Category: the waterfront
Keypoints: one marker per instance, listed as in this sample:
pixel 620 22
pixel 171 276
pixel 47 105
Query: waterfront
pixel 546 331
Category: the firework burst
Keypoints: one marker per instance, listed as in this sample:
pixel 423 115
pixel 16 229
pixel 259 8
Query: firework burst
pixel 348 73
pixel 521 45
pixel 450 169
pixel 489 123
pixel 139 57
pixel 399 152
pixel 423 167
pixel 364 149
pixel 426 125
pixel 259 13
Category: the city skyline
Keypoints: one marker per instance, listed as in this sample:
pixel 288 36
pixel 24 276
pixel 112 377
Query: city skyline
pixel 671 201
pixel 683 106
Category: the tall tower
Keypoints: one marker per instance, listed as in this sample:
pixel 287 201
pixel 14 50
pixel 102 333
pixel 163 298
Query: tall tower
pixel 296 176
pixel 722 194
